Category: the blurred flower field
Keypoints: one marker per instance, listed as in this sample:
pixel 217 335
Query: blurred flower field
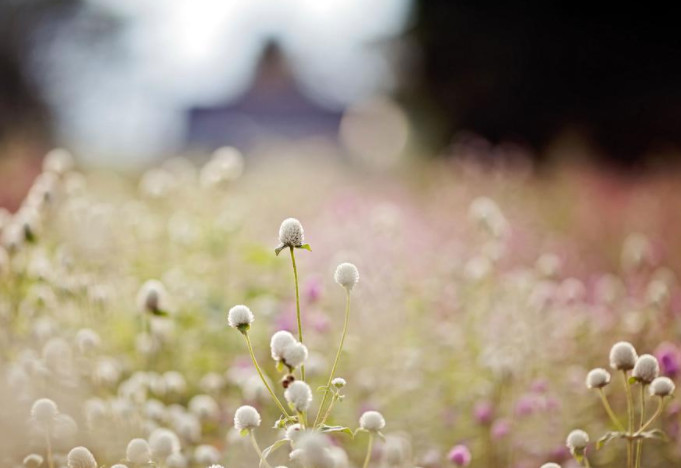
pixel 485 297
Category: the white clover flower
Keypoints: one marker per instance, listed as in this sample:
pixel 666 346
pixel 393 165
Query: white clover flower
pixel 44 410
pixel 396 450
pixel 662 387
pixel 80 457
pixel 550 465
pixel 291 233
pixel 175 382
pixel 293 431
pixel 246 418
pixel 372 421
pixel 315 448
pixel 577 441
pixel 299 395
pixel 58 161
pixel 280 340
pixel 87 340
pixel 152 297
pixel 163 442
pixel 646 369
pixel 296 455
pixel 119 465
pixel 188 427
pixel 226 165
pixel 346 275
pixel 597 378
pixel 623 356
pixel 58 355
pixel 212 382
pixel 240 317
pixel 206 455
pixel 486 214
pixel 204 407
pixel 138 452
pixel 33 461
pixel 177 460
pixel 294 355
pixel 338 382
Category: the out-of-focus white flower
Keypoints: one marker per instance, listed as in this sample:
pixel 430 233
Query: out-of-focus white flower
pixel 338 382
pixel 623 356
pixel 372 421
pixel 246 418
pixel 175 382
pixel 662 387
pixel 597 378
pixel 486 214
pixel 293 431
pixel 44 410
pixel 636 252
pixel 346 275
pixel 299 395
pixel 204 407
pixel 226 165
pixel 577 441
pixel 646 369
pixel 87 340
pixel 206 455
pixel 58 161
pixel 177 460
pixel 80 457
pixel 153 298
pixel 280 340
pixel 138 451
pixel 163 443
pixel 33 460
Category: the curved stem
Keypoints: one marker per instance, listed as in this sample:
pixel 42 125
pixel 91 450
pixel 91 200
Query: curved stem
pixel 630 419
pixel 335 362
pixel 300 325
pixel 608 409
pixel 660 404
pixel 258 451
pixel 302 420
pixel 334 397
pixel 262 377
pixel 369 447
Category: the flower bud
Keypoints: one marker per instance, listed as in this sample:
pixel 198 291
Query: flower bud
pixel 294 355
pixel 460 455
pixel 597 378
pixel 577 441
pixel 291 233
pixel 246 418
pixel 347 275
pixel 662 387
pixel 280 341
pixel 646 369
pixel 240 317
pixel 372 421
pixel 299 395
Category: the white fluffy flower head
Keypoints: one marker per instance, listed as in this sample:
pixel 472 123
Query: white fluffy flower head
pixel 163 442
pixel 346 275
pixel 246 418
pixel 280 340
pixel 240 317
pixel 662 387
pixel 152 297
pixel 597 378
pixel 338 382
pixel 138 452
pixel 623 356
pixel 80 457
pixel 291 233
pixel 577 440
pixel 372 421
pixel 294 355
pixel 646 369
pixel 299 395
pixel 44 410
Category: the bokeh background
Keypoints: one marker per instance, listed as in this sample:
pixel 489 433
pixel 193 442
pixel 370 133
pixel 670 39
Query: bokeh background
pixel 126 83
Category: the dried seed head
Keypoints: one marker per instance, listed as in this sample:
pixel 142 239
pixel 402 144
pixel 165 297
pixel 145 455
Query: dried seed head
pixel 347 275
pixel 80 457
pixel 646 369
pixel 299 395
pixel 291 233
pixel 623 356
pixel 662 387
pixel 246 418
pixel 597 378
pixel 138 452
pixel 372 421
pixel 287 380
pixel 240 317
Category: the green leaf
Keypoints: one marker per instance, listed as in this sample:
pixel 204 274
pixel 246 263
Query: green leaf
pixel 272 448
pixel 632 380
pixel 280 366
pixel 160 313
pixel 243 432
pixel 380 434
pixel 658 434
pixel 609 436
pixel 305 246
pixel 322 388
pixel 343 429
pixel 358 430
pixel 279 248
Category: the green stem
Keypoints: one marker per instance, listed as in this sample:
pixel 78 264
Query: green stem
pixel 302 420
pixel 660 404
pixel 258 451
pixel 630 419
pixel 335 362
pixel 608 409
pixel 50 460
pixel 639 443
pixel 369 447
pixel 300 326
pixel 334 397
pixel 262 377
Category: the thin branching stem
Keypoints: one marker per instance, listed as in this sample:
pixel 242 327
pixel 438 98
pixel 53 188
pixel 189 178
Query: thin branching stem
pixel 630 419
pixel 608 409
pixel 300 325
pixel 257 449
pixel 262 377
pixel 370 446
